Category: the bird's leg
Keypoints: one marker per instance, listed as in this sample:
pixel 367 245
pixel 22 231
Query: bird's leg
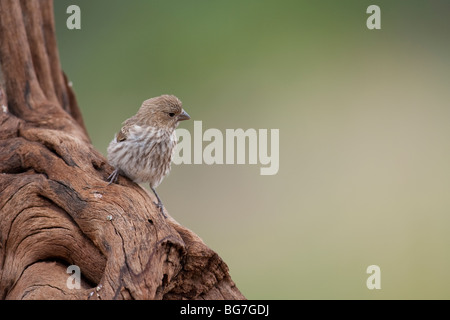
pixel 159 204
pixel 113 176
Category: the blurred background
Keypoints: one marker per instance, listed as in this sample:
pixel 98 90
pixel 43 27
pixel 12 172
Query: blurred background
pixel 364 120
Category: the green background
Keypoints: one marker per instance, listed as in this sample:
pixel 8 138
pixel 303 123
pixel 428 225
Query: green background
pixel 364 120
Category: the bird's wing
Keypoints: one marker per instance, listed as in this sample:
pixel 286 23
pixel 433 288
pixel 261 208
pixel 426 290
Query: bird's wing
pixel 123 134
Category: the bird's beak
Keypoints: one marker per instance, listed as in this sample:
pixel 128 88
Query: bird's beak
pixel 183 116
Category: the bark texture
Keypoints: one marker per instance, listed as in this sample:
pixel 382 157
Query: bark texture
pixel 56 208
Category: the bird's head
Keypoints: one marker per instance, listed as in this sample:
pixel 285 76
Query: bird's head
pixel 165 111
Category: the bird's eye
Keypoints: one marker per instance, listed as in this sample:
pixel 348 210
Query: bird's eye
pixel 171 114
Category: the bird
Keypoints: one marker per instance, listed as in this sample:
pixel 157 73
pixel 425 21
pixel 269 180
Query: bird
pixel 143 148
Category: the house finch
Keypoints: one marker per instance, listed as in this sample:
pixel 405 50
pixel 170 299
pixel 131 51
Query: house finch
pixel 143 148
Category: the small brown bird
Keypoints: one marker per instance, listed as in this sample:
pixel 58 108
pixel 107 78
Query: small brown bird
pixel 143 148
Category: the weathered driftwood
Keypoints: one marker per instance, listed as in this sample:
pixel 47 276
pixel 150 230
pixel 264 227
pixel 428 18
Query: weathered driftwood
pixel 56 208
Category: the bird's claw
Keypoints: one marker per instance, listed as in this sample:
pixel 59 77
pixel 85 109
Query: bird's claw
pixel 160 206
pixel 113 177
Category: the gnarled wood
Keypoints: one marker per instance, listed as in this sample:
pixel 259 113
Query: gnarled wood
pixel 56 208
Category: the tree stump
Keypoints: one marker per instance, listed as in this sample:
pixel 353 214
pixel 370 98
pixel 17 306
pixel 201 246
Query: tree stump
pixel 56 208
